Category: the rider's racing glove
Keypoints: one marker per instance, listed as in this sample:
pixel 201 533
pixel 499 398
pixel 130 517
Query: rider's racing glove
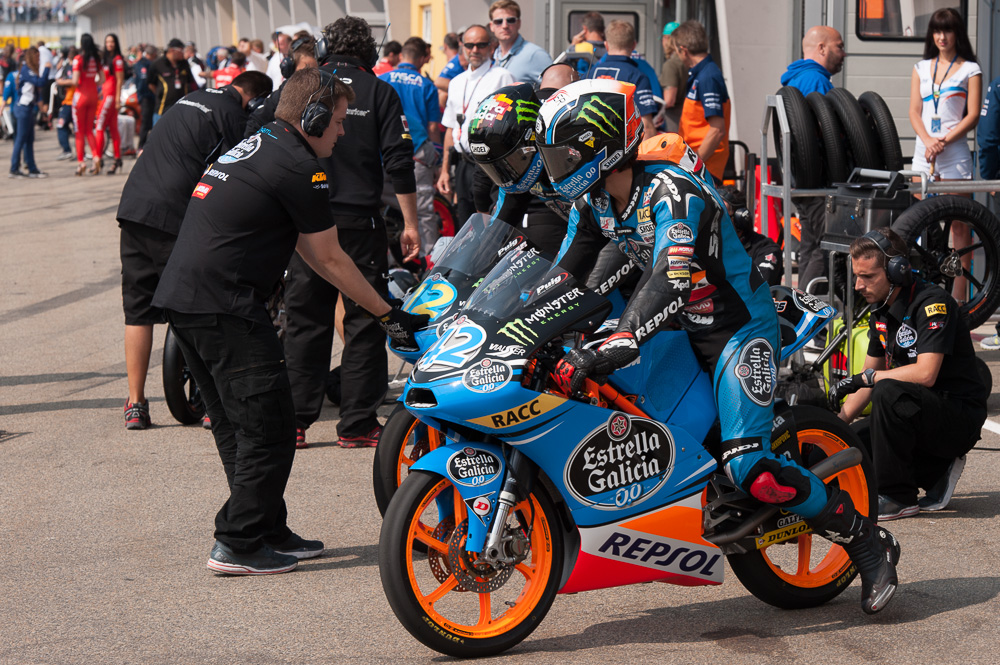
pixel 616 352
pixel 400 326
pixel 851 384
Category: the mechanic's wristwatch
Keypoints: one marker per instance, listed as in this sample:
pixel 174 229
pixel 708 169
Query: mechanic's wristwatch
pixel 869 377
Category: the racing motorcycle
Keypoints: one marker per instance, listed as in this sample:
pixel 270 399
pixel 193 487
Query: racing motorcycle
pixel 533 492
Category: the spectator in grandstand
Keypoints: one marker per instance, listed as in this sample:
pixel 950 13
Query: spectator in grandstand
pixel 619 65
pixel 946 90
pixel 453 51
pixel 705 116
pixel 420 104
pixel 172 78
pixel 525 61
pixel 389 59
pixel 673 78
pixel 465 93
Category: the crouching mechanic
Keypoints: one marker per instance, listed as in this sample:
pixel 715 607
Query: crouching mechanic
pixel 263 200
pixel 921 375
pixel 697 274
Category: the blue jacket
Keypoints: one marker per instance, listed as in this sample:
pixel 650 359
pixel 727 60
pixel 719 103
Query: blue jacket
pixel 419 98
pixel 808 76
pixel 988 133
pixel 624 68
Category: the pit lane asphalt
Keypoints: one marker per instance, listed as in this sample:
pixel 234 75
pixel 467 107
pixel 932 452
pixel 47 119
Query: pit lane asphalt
pixel 104 533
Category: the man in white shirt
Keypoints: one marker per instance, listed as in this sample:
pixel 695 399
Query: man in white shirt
pixel 465 93
pixel 283 42
pixel 256 62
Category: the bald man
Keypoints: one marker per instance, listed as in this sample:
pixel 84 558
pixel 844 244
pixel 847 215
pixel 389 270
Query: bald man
pixel 555 76
pixel 822 57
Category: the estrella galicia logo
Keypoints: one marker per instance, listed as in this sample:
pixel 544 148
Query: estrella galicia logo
pixel 243 150
pixel 680 232
pixel 811 304
pixel 756 371
pixel 620 463
pixel 906 336
pixel 473 467
pixel 487 376
pixel 519 331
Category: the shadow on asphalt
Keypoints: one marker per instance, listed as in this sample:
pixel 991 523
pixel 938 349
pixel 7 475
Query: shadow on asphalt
pixel 67 405
pixel 31 379
pixel 976 505
pixel 342 557
pixel 725 622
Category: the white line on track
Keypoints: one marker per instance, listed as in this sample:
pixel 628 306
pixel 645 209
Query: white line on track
pixel 991 426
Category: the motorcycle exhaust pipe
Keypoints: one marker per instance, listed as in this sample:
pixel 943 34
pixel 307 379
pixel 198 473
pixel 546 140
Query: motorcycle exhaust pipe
pixel 827 468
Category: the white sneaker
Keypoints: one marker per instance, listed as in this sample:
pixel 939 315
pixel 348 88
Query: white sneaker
pixel 990 343
pixel 937 497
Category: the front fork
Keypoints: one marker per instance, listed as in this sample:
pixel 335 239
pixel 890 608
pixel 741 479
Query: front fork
pixel 503 548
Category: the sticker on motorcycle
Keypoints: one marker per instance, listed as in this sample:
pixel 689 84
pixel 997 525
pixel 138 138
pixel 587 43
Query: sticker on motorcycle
pixel 811 304
pixel 756 371
pixel 621 463
pixel 520 414
pixel 480 506
pixel 472 467
pixel 459 344
pixel 433 297
pixel 486 376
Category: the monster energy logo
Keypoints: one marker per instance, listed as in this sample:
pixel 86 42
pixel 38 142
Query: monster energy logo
pixel 596 111
pixel 518 331
pixel 527 111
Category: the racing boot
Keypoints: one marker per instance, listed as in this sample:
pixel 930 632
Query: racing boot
pixel 872 549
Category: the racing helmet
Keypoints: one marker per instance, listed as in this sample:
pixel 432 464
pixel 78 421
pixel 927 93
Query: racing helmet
pixel 502 138
pixel 585 131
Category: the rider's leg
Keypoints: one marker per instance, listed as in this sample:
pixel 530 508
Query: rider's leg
pixel 744 384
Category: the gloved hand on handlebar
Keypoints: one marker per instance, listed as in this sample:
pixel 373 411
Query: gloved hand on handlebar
pixel 400 327
pixel 617 351
pixel 851 384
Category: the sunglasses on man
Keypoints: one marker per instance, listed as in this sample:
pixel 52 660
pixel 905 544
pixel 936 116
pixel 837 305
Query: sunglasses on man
pixel 476 45
pixel 510 20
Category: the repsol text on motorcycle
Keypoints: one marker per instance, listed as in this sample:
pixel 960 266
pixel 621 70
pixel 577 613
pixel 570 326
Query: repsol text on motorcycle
pixel 530 492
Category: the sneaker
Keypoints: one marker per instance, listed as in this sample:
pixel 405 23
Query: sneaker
pixel 263 561
pixel 37 174
pixel 298 547
pixel 63 157
pixel 300 438
pixel 890 509
pixel 937 497
pixel 990 343
pixel 137 415
pixel 369 440
pixel 16 174
pixel 206 423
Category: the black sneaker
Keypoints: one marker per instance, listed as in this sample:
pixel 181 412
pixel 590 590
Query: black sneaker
pixel 890 509
pixel 298 547
pixel 16 174
pixel 937 497
pixel 264 561
pixel 137 415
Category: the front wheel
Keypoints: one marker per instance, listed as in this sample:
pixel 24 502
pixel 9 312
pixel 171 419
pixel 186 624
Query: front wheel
pixel 179 389
pixel 447 597
pixel 807 570
pixel 404 440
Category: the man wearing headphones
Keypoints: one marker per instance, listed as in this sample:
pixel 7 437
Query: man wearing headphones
pixel 263 200
pixel 921 375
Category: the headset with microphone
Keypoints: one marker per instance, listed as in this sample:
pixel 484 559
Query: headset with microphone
pixel 897 267
pixel 316 116
pixel 287 65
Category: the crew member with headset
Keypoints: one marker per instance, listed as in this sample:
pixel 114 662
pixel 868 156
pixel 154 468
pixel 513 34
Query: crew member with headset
pixel 263 200
pixel 375 137
pixel 927 388
pixel 202 126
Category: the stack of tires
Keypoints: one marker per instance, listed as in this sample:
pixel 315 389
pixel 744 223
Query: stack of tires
pixel 832 134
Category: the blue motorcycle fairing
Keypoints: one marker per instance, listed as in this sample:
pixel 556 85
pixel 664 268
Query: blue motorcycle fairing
pixel 477 470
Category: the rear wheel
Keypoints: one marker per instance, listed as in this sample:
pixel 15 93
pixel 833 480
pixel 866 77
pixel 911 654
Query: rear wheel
pixel 806 570
pixel 404 440
pixel 445 596
pixel 179 389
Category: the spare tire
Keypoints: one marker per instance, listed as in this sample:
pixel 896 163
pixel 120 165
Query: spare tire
pixel 833 138
pixel 861 139
pixel 806 166
pixel 880 120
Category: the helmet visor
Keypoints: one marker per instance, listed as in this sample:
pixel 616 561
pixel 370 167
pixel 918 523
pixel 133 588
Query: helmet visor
pixel 562 159
pixel 509 169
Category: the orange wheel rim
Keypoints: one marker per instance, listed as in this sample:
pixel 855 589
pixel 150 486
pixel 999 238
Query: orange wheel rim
pixel 417 442
pixel 476 615
pixel 799 570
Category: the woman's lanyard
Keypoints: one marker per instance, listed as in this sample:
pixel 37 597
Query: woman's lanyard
pixel 936 92
pixel 466 101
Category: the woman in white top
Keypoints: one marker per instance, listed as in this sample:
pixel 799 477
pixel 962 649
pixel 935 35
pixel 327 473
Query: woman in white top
pixel 945 94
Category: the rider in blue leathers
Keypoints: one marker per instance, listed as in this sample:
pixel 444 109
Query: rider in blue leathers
pixel 695 274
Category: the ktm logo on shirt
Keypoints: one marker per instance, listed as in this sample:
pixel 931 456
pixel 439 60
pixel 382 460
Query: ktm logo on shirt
pixel 201 191
pixel 319 177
